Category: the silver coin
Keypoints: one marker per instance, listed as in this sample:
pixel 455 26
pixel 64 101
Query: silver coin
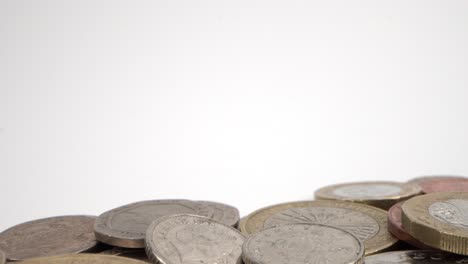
pixel 416 257
pixel 191 239
pixel 226 214
pixel 301 244
pixel 126 226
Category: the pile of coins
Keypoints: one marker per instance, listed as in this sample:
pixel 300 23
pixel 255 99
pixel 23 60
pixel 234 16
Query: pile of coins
pixel 423 221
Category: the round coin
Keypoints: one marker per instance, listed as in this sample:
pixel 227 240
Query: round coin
pixel 49 237
pixel 223 213
pixel 434 177
pixel 126 226
pixel 439 220
pixel 193 239
pixel 367 223
pixel 379 194
pixel 302 243
pixel 444 185
pixel 133 253
pixel 83 259
pixel 416 257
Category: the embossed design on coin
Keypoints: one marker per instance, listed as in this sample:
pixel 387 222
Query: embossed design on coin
pixel 190 239
pixel 126 226
pixel 48 237
pixel 374 191
pixel 415 257
pixel 302 243
pixel 453 211
pixel 223 213
pixel 83 259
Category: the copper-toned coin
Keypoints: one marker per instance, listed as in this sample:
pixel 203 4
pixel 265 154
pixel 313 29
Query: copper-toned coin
pixel 49 237
pixel 417 180
pixel 133 253
pixel 395 227
pixel 416 257
pixel 444 185
pixel 223 213
pixel 380 194
pixel 126 226
pixel 83 259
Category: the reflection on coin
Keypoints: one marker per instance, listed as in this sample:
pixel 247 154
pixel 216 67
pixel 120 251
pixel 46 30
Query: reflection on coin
pixel 368 223
pixel 416 257
pixel 188 239
pixel 83 259
pixel 223 213
pixel 2 258
pixel 439 220
pixel 444 185
pixel 133 253
pixel 126 226
pixel 302 243
pixel 380 194
pixel 48 237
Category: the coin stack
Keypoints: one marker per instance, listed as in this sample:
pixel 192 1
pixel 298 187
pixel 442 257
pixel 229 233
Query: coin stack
pixel 422 221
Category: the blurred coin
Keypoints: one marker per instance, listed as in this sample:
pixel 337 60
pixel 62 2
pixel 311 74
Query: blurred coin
pixel 444 185
pixel 49 237
pixel 83 259
pixel 2 258
pixel 223 213
pixel 302 243
pixel 126 226
pixel 418 180
pixel 367 223
pixel 416 257
pixel 379 194
pixel 193 239
pixel 133 253
pixel 439 220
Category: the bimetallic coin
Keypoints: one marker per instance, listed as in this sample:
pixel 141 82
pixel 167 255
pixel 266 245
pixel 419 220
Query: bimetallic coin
pixel 223 213
pixel 133 253
pixel 190 239
pixel 444 185
pixel 416 257
pixel 126 226
pixel 49 237
pixel 379 194
pixel 439 220
pixel 83 259
pixel 367 223
pixel 302 243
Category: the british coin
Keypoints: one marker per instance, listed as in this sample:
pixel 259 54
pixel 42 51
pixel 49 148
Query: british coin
pixel 83 259
pixel 133 253
pixel 415 257
pixel 2 258
pixel 444 185
pixel 126 226
pixel 368 223
pixel 226 214
pixel 49 237
pixel 439 220
pixel 187 239
pixel 302 243
pixel 382 194
pixel 420 179
pixel 395 227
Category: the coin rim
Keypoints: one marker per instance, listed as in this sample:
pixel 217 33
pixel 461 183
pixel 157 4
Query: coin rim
pixel 2 257
pixel 403 251
pixel 106 259
pixel 230 210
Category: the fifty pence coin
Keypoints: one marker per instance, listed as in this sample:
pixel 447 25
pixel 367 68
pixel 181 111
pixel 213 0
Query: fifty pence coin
pixel 367 223
pixel 187 239
pixel 444 185
pixel 133 253
pixel 126 226
pixel 83 259
pixel 49 237
pixel 439 220
pixel 416 257
pixel 302 243
pixel 379 194
pixel 223 213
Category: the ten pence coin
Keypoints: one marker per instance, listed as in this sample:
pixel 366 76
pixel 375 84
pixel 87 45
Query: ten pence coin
pixel 380 194
pixel 48 237
pixel 416 257
pixel 367 223
pixel 226 214
pixel 302 243
pixel 126 226
pixel 191 239
pixel 83 259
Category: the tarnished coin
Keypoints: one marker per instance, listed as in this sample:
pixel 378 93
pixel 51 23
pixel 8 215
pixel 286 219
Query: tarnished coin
pixel 301 244
pixel 83 259
pixel 379 194
pixel 49 237
pixel 395 227
pixel 439 220
pixel 367 223
pixel 223 213
pixel 2 258
pixel 126 226
pixel 416 257
pixel 444 185
pixel 133 253
pixel 190 239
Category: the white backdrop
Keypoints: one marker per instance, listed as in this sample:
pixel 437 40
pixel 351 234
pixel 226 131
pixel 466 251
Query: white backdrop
pixel 245 102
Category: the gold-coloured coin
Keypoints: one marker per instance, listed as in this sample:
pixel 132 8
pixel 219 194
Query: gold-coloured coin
pixel 382 194
pixel 83 259
pixel 439 220
pixel 367 223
